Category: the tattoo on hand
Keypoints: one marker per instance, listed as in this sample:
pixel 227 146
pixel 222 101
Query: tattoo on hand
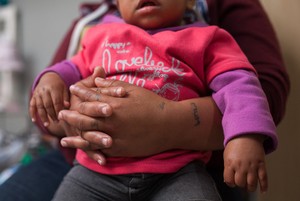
pixel 196 114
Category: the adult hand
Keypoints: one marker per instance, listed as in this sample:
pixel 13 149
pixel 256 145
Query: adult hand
pixel 142 123
pixel 131 126
pixel 75 133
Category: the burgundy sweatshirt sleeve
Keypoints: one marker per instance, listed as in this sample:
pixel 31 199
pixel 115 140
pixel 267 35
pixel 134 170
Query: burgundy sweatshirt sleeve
pixel 244 106
pixel 248 23
pixel 61 52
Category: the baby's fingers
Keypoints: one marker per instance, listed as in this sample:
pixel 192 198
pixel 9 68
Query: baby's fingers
pixel 252 180
pixel 49 106
pixel 263 178
pixel 229 177
pixel 41 111
pixel 240 178
pixel 32 109
pixel 60 101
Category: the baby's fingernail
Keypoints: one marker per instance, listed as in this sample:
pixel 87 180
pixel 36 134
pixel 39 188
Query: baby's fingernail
pixel 46 124
pixel 33 119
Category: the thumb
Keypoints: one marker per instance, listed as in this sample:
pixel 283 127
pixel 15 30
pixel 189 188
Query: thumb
pixel 89 81
pixel 98 72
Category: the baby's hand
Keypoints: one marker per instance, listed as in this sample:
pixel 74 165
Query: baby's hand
pixel 244 163
pixel 49 97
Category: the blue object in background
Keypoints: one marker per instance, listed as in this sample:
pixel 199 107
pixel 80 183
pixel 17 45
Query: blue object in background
pixel 4 2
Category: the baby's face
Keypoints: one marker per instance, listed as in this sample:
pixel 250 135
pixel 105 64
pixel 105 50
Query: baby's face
pixel 153 14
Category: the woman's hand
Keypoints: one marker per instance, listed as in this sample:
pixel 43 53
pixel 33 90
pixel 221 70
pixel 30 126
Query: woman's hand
pixel 142 123
pixel 133 121
pixel 75 133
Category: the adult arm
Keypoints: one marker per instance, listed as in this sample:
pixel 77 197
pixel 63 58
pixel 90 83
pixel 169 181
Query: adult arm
pixel 142 127
pixel 231 15
pixel 249 24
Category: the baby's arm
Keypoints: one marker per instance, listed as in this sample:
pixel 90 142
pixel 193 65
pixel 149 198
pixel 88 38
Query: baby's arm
pixel 62 74
pixel 49 96
pixel 249 130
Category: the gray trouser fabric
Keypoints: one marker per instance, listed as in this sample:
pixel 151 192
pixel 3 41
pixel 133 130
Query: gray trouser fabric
pixel 190 183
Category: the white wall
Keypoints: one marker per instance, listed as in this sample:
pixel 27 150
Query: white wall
pixel 42 24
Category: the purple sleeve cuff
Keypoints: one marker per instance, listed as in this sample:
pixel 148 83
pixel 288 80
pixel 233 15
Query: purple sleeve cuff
pixel 244 106
pixel 65 69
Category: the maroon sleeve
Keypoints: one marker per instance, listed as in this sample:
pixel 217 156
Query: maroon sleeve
pixel 248 23
pixel 61 51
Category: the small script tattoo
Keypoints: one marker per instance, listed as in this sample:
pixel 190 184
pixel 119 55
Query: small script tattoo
pixel 162 105
pixel 196 114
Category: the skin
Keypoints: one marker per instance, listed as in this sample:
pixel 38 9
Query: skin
pixel 165 13
pixel 93 114
pixel 48 99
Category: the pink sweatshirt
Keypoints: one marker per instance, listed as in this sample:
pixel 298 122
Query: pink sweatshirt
pixel 165 62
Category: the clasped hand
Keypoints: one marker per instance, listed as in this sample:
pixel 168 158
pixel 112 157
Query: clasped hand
pixel 104 119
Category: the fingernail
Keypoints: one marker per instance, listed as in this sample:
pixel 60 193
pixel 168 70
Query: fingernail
pixel 33 119
pixel 59 116
pixel 105 141
pixel 46 124
pixel 100 162
pixel 72 87
pixel 63 143
pixel 104 110
pixel 119 91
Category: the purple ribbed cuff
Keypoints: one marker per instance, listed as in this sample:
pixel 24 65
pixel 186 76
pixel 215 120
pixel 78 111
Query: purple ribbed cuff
pixel 65 69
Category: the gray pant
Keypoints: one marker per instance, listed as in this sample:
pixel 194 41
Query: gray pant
pixel 190 183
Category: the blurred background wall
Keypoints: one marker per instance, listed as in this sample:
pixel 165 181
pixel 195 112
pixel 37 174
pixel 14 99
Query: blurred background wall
pixel 284 164
pixel 43 23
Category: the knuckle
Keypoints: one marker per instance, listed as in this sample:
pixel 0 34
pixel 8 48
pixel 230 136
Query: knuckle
pixel 57 101
pixel 82 107
pixel 80 124
pixel 88 96
pixel 95 125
